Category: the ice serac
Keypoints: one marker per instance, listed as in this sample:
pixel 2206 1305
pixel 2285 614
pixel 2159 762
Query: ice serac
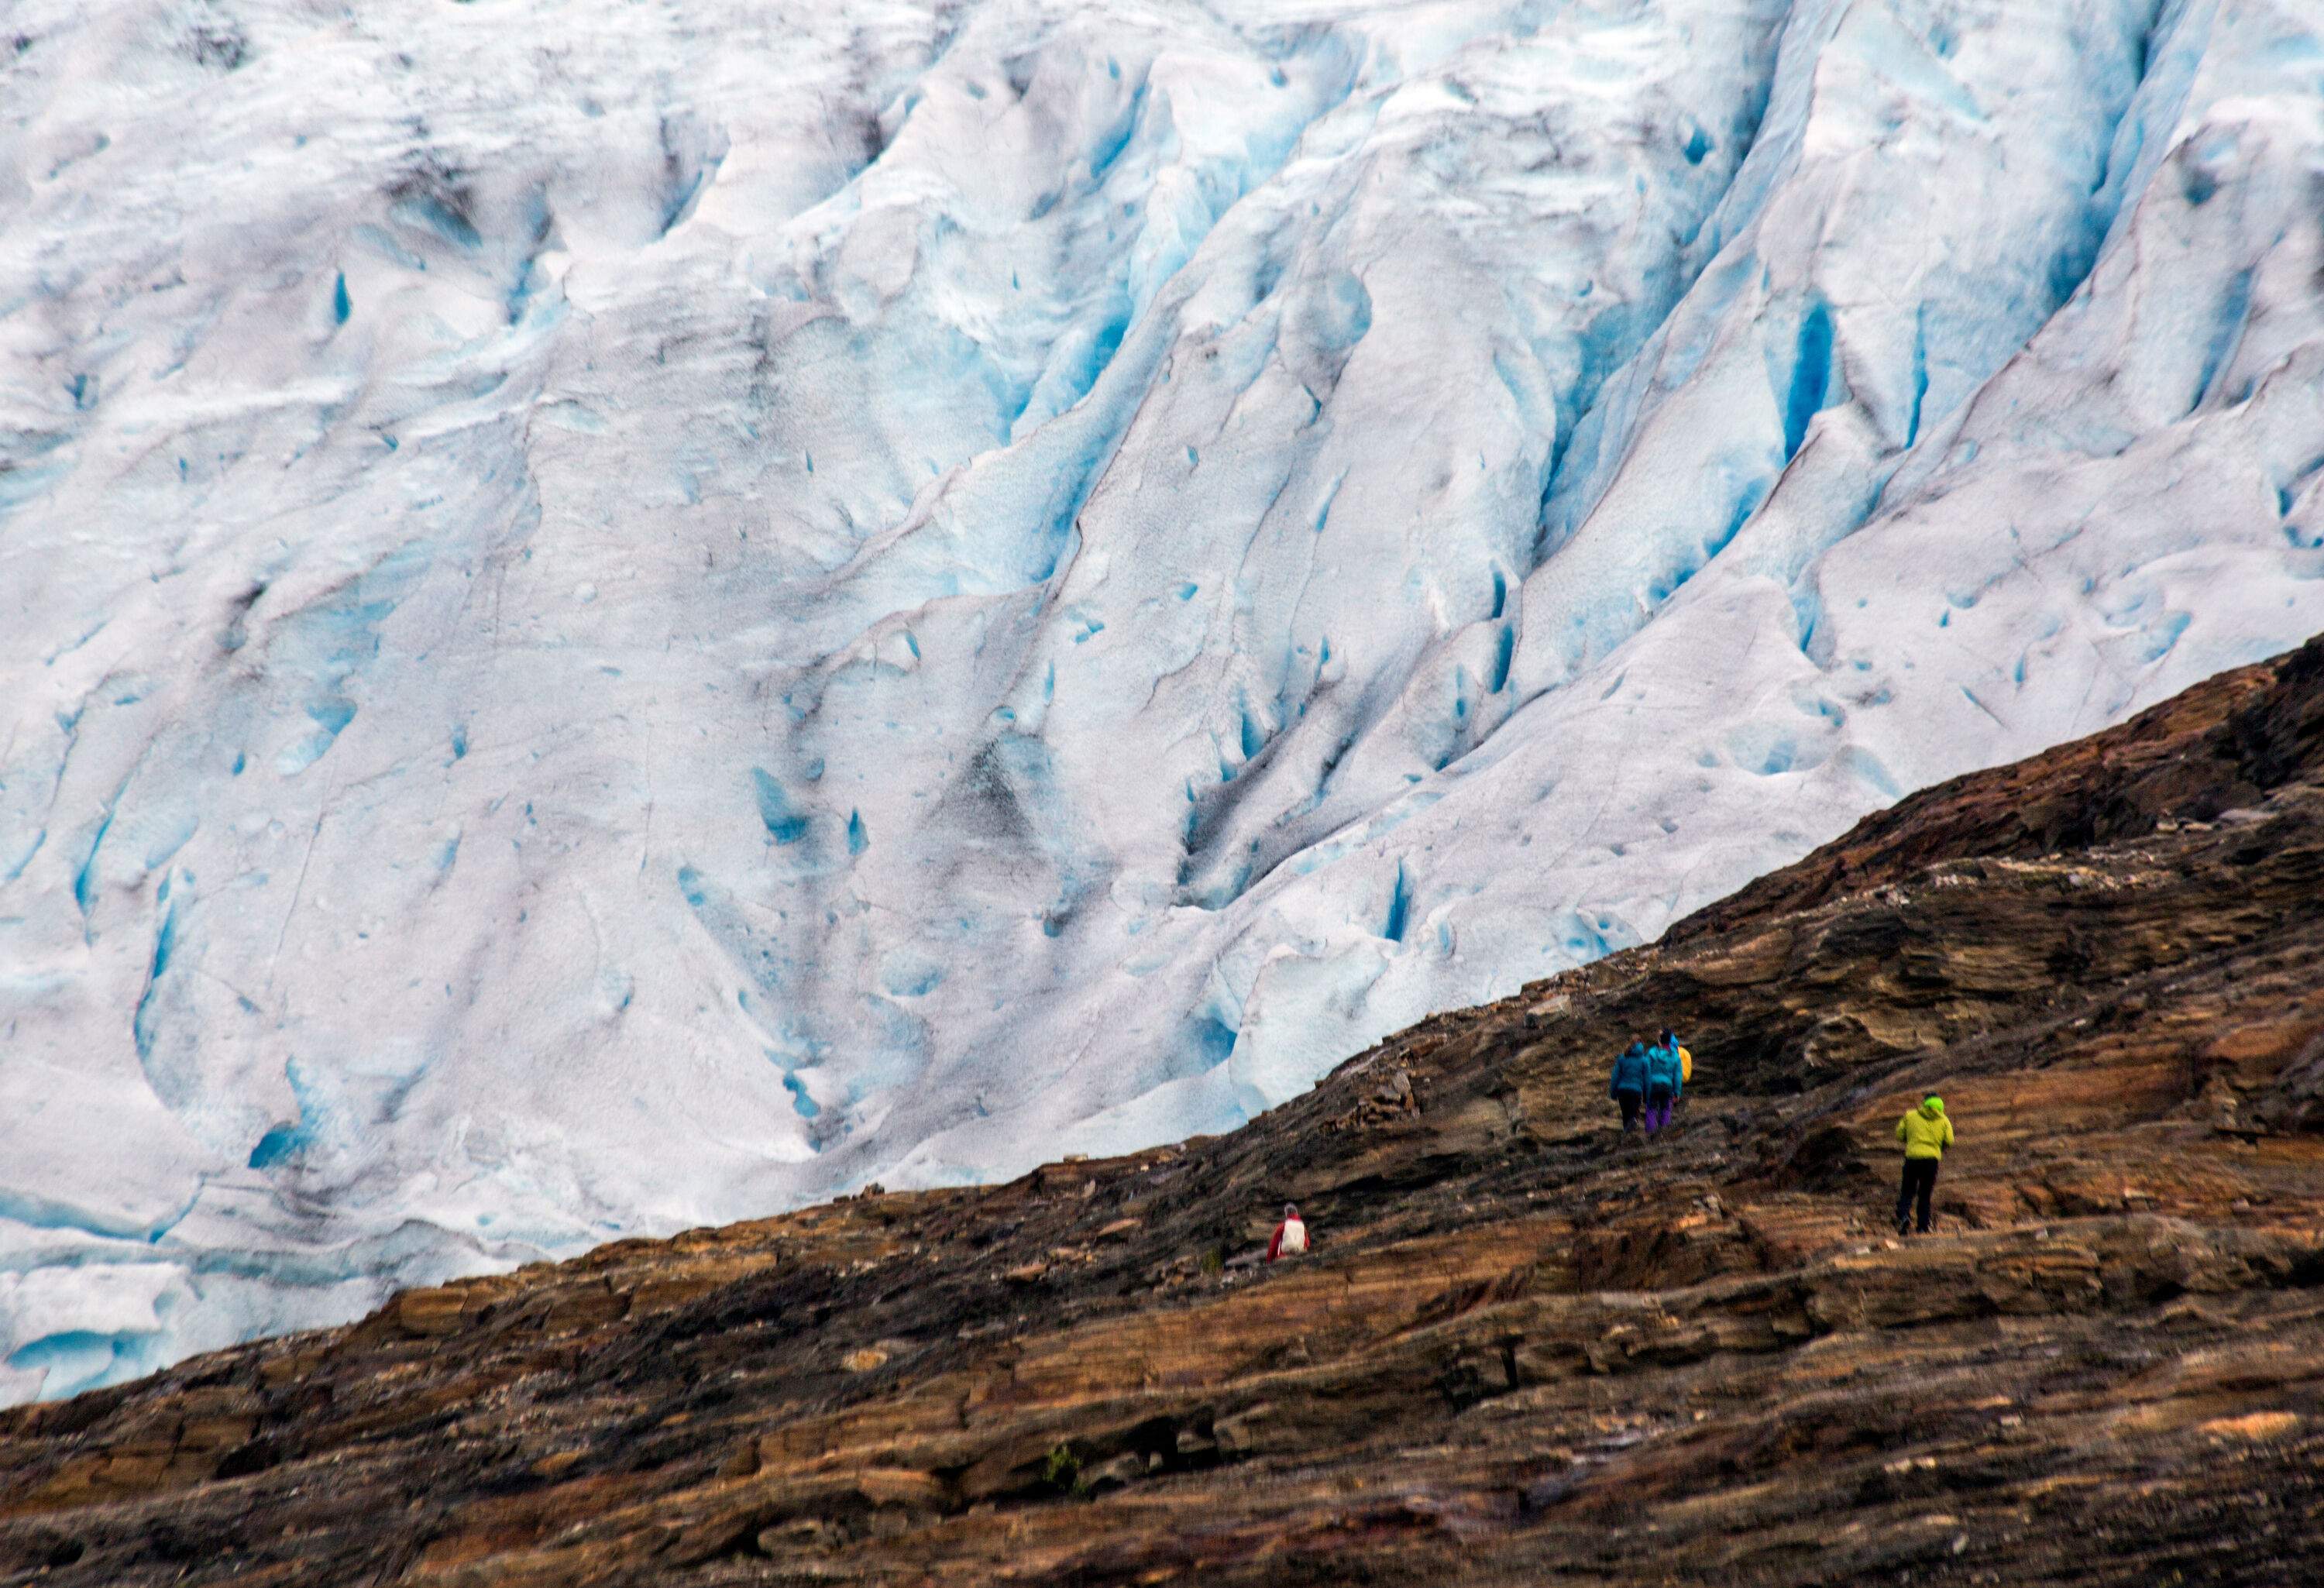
pixel 606 636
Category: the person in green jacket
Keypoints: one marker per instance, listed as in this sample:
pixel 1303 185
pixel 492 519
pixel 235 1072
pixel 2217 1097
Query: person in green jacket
pixel 1925 1133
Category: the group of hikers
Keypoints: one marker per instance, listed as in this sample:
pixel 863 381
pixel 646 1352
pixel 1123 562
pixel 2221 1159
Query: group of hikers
pixel 1650 1080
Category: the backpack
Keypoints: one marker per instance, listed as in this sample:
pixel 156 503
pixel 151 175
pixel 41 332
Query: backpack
pixel 1664 1070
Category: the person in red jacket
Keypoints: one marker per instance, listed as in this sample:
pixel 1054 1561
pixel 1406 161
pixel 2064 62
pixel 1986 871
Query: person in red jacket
pixel 1290 1236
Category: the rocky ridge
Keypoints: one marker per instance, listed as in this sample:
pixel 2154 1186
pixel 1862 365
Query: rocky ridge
pixel 1522 1351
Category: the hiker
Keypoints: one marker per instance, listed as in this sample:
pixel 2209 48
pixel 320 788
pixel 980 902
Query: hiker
pixel 1666 1084
pixel 1290 1236
pixel 1629 1086
pixel 1669 1038
pixel 1925 1133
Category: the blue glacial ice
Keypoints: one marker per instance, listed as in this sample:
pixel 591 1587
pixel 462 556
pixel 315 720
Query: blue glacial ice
pixel 600 639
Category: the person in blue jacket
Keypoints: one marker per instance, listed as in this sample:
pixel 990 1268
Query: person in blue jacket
pixel 1628 1085
pixel 1665 1082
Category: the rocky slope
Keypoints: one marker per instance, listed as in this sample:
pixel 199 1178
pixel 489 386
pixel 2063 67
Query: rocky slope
pixel 1522 1352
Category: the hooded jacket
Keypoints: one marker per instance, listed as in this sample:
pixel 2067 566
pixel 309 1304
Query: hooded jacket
pixel 1925 1131
pixel 1630 1073
pixel 1664 1071
pixel 1686 1059
pixel 1290 1237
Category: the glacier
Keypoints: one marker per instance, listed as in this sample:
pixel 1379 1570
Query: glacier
pixel 616 616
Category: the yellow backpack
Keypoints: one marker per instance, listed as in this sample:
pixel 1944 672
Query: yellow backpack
pixel 1685 1067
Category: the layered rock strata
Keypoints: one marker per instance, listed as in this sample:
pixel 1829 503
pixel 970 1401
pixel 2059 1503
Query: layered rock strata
pixel 1522 1351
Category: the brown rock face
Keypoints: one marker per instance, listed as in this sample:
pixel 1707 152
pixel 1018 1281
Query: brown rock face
pixel 1522 1351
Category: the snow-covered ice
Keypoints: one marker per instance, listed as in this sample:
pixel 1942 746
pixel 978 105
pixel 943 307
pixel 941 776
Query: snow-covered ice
pixel 616 615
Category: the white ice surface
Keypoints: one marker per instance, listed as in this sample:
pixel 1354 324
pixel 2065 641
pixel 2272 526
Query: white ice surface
pixel 614 616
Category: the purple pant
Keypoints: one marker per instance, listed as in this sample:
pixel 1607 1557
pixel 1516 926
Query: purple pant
pixel 1658 1110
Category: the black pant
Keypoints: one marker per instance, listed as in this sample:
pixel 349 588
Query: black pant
pixel 1629 1102
pixel 1920 1185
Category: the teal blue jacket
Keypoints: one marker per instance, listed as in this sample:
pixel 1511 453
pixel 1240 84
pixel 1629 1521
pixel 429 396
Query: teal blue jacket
pixel 1664 1070
pixel 1630 1073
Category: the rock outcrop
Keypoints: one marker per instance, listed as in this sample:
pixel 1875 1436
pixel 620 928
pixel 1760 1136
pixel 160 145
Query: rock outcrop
pixel 1522 1350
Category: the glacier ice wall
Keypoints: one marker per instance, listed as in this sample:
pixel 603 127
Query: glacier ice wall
pixel 614 617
